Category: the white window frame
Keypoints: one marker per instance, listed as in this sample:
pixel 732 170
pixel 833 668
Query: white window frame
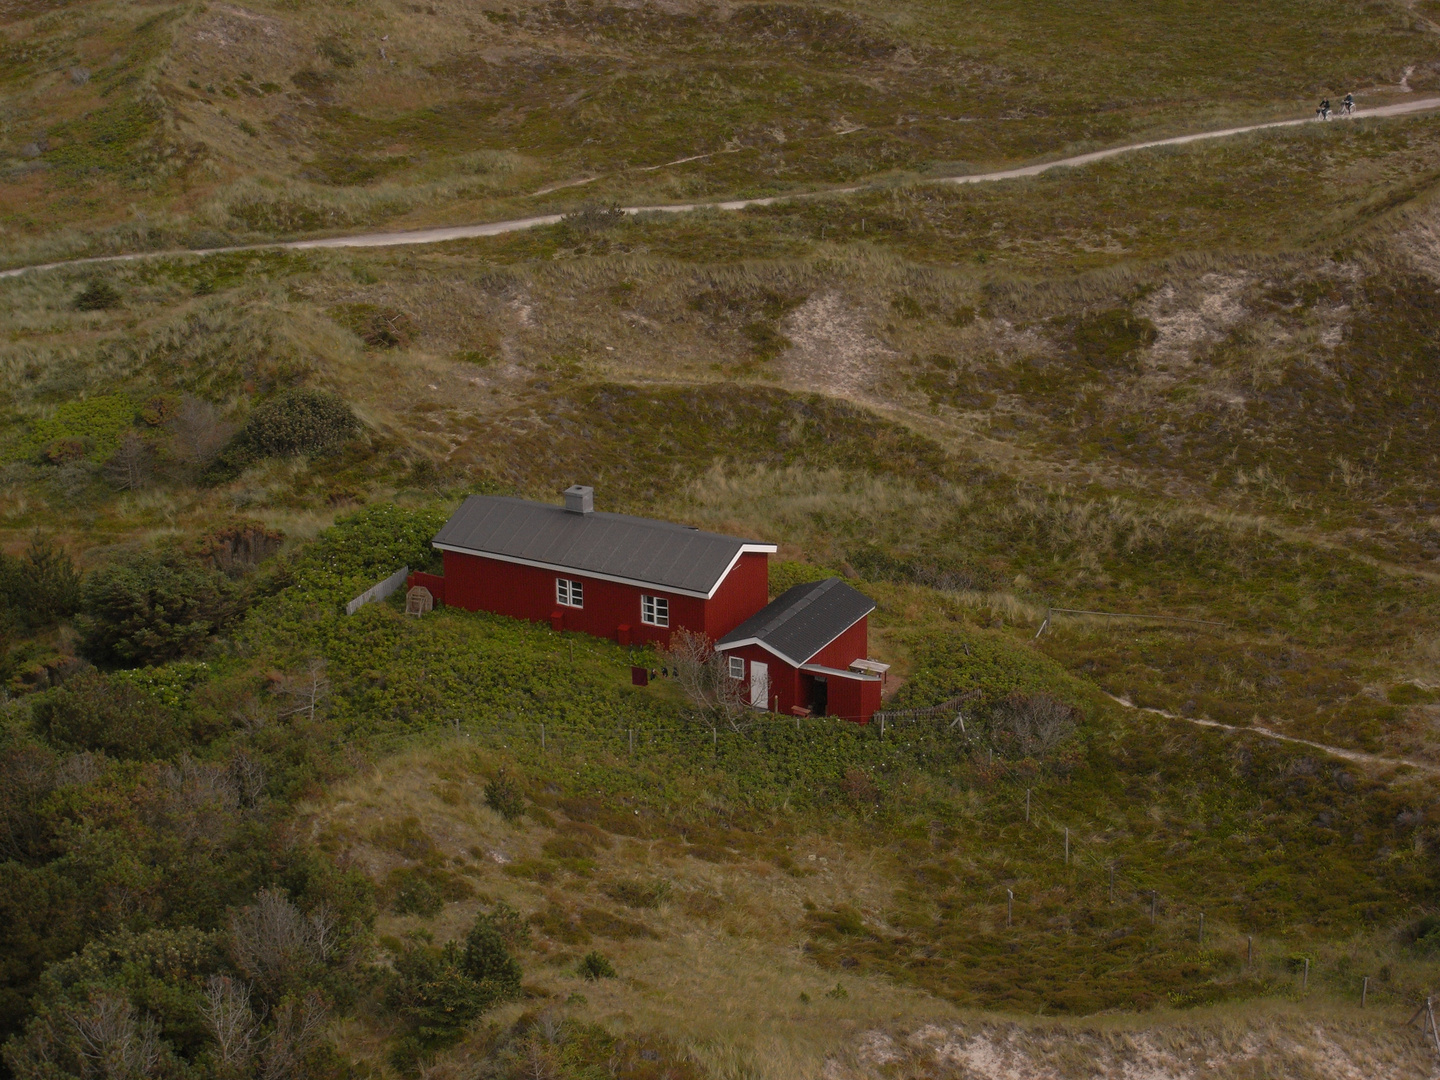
pixel 737 668
pixel 569 593
pixel 651 613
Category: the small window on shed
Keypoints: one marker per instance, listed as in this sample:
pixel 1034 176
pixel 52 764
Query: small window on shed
pixel 569 593
pixel 737 667
pixel 655 610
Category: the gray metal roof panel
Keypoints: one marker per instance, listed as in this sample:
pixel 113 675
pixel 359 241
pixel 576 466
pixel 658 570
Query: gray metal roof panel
pixel 659 553
pixel 801 621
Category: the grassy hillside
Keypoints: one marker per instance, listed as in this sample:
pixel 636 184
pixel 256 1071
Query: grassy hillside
pixel 245 835
pixel 141 125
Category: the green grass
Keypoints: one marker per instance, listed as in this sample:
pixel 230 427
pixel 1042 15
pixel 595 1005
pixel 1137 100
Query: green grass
pixel 1265 839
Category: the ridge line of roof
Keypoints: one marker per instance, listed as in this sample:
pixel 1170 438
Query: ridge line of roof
pixel 613 516
pixel 799 604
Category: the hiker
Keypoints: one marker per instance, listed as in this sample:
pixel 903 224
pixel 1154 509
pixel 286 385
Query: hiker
pixel 1323 112
pixel 1348 105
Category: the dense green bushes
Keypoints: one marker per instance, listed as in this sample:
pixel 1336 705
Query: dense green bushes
pixel 149 608
pixel 40 587
pixel 439 991
pixel 92 712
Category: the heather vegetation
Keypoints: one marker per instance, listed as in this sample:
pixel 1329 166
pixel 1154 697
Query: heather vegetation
pixel 1137 461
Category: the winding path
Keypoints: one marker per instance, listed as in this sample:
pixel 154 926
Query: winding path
pixel 496 228
pixel 1357 756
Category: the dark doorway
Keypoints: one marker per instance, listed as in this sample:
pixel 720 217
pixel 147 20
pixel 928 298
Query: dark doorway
pixel 819 695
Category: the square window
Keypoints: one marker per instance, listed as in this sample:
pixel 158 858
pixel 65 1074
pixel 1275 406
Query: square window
pixel 569 593
pixel 737 667
pixel 655 610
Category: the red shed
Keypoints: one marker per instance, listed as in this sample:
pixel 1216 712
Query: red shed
pixel 610 575
pixel 806 650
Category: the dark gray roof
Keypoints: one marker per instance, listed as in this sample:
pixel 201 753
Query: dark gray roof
pixel 611 545
pixel 801 621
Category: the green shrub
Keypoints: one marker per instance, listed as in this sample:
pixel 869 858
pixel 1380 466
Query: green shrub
pixel 425 890
pixel 97 296
pixel 91 428
pixel 146 609
pixel 94 712
pixel 40 587
pixel 510 924
pixel 595 966
pixel 434 994
pixel 486 959
pixel 1424 935
pixel 502 794
pixel 292 423
pixel 439 991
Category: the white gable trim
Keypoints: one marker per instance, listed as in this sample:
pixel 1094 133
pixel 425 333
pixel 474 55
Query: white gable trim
pixel 792 662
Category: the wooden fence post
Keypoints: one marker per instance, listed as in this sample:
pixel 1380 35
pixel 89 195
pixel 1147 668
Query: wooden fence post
pixel 1027 806
pixel 1067 847
pixel 1009 907
pixel 1364 991
pixel 1202 929
pixel 542 738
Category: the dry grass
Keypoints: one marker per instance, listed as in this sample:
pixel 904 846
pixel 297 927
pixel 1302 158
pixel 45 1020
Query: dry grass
pixel 720 973
pixel 727 936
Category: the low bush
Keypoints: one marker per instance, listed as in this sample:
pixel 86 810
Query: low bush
pixel 97 296
pixel 502 794
pixel 595 966
pixel 92 428
pixel 292 423
pixel 487 959
pixel 94 712
pixel 425 890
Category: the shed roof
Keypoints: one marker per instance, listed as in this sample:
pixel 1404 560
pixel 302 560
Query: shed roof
pixel 801 621
pixel 613 546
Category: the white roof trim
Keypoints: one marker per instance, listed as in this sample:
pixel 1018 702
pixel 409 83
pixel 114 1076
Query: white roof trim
pixel 789 660
pixel 821 669
pixel 764 549
pixel 756 641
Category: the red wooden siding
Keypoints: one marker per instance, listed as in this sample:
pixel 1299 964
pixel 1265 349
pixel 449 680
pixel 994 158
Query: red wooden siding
pixel 745 590
pixel 853 644
pixel 434 582
pixel 855 699
pixel 784 679
pixel 852 698
pixel 478 583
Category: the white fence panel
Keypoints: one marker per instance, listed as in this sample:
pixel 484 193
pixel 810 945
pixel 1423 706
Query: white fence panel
pixel 378 592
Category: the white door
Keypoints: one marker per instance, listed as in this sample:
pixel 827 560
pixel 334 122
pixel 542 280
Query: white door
pixel 759 684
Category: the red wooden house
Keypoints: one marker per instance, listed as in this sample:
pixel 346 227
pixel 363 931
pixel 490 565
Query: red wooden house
pixel 805 652
pixel 610 575
pixel 637 580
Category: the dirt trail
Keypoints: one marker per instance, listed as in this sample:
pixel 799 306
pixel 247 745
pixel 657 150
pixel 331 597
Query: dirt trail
pixel 1357 756
pixel 496 228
